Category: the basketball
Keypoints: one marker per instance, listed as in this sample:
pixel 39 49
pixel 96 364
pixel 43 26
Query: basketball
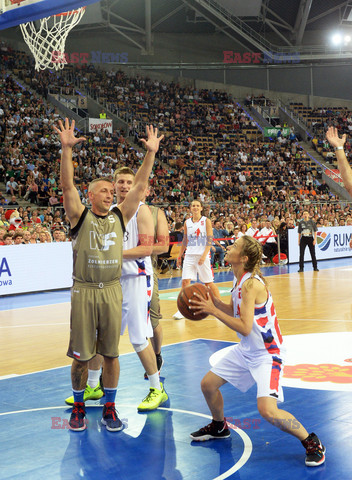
pixel 183 300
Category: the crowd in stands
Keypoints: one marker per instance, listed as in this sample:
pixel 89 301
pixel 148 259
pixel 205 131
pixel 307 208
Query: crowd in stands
pixel 213 151
pixel 319 119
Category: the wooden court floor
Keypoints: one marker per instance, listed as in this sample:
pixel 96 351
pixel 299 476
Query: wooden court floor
pixel 36 337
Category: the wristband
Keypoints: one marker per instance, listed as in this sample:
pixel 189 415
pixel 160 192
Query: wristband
pixel 338 148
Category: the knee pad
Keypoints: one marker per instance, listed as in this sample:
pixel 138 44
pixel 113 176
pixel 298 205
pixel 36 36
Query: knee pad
pixel 139 348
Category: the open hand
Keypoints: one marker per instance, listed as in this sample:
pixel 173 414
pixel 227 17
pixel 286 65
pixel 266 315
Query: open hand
pixel 198 304
pixel 153 141
pixel 67 133
pixel 334 139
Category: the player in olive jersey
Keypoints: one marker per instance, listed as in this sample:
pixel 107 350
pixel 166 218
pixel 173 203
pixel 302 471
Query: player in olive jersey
pixel 96 298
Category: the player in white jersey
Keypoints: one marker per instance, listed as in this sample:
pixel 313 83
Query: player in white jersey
pixel 258 358
pixel 197 241
pixel 137 286
pixel 137 277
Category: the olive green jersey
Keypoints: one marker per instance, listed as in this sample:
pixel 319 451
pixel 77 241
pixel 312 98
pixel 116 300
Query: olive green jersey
pixel 97 247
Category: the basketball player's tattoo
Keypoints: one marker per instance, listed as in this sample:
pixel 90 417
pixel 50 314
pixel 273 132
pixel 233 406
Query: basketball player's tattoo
pixel 79 376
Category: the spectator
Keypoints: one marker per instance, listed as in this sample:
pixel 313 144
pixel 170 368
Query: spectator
pixel 3 232
pixel 18 238
pixel 8 239
pixel 242 230
pixel 283 236
pixel 12 187
pixel 267 238
pixel 13 201
pixel 27 236
pixel 219 246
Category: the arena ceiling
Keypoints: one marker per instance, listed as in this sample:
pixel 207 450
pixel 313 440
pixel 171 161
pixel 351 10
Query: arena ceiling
pixel 277 25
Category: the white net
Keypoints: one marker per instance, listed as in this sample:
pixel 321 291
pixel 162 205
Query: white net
pixel 46 38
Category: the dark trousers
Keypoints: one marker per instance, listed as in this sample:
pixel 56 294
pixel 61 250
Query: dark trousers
pixel 307 242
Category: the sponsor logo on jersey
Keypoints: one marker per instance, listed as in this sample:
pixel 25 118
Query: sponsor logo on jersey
pixel 101 241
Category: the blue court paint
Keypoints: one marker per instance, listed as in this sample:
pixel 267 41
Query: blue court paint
pixel 157 445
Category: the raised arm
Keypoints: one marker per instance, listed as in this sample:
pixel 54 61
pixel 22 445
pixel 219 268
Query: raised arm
pixel 162 235
pixel 137 192
pixel 72 203
pixel 342 162
pixel 145 235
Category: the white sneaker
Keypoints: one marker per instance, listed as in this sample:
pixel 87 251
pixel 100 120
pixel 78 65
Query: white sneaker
pixel 178 316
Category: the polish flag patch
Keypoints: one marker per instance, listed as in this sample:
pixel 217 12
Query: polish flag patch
pixel 76 354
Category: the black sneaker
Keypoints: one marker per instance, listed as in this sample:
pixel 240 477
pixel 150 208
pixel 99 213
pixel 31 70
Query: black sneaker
pixel 159 364
pixel 213 430
pixel 77 422
pixel 110 418
pixel 159 361
pixel 315 451
pixel 300 270
pixel 316 270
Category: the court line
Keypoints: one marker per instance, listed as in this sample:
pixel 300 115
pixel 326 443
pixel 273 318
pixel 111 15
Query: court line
pixel 36 325
pixel 35 306
pixel 314 320
pixel 247 450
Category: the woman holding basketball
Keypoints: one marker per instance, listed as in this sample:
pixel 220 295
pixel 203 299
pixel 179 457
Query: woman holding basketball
pixel 259 356
pixel 197 241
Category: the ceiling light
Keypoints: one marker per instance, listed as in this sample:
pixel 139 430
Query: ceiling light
pixel 336 39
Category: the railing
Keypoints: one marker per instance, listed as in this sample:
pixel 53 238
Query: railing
pixel 67 98
pixel 295 117
pixel 316 51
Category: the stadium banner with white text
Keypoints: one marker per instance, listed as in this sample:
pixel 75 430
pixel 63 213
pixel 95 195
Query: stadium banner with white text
pixel 97 124
pixel 35 267
pixel 272 132
pixel 332 242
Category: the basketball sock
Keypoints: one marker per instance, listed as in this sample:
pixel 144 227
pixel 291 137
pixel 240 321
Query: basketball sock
pixel 93 378
pixel 110 395
pixel 78 396
pixel 154 381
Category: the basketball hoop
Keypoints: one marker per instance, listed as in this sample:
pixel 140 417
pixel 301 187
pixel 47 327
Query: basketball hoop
pixel 47 41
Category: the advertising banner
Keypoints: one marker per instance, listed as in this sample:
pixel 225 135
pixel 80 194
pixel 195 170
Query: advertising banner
pixel 35 267
pixel 272 132
pixel 96 124
pixel 332 242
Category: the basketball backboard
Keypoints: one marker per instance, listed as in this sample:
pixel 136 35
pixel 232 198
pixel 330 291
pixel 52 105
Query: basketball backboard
pixel 15 12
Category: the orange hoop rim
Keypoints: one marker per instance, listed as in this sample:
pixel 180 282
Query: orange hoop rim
pixel 64 14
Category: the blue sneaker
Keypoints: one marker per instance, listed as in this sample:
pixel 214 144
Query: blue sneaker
pixel 110 418
pixel 77 419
